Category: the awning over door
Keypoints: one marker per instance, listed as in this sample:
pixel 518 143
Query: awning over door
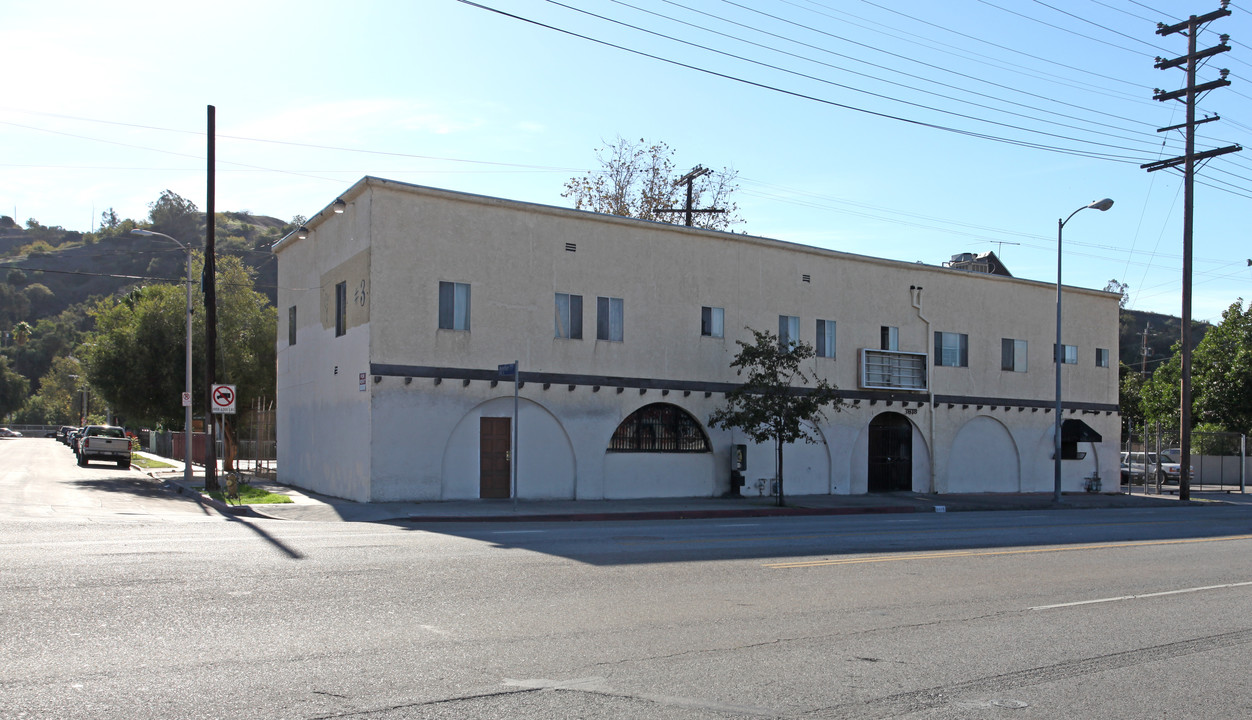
pixel 1075 430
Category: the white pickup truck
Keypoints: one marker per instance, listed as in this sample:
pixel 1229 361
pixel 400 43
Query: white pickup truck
pixel 104 442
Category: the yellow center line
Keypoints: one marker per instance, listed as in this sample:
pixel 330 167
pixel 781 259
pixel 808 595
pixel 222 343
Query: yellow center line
pixel 986 553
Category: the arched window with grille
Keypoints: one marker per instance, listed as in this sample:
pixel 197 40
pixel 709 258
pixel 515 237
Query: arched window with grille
pixel 660 428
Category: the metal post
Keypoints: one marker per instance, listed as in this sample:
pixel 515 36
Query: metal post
pixel 187 383
pixel 517 372
pixel 1058 353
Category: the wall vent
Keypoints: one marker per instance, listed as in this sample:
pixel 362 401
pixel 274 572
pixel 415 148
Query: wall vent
pixel 806 278
pixel 571 247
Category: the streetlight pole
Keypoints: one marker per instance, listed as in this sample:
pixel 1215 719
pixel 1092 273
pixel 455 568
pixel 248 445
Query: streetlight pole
pixel 187 370
pixel 1059 351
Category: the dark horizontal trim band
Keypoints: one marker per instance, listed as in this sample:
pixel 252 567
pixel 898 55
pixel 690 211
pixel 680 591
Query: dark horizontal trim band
pixel 450 373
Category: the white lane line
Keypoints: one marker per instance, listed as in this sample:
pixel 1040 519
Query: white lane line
pixel 1145 595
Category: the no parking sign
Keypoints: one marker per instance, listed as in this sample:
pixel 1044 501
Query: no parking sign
pixel 224 399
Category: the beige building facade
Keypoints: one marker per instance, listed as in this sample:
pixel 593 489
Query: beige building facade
pixel 397 304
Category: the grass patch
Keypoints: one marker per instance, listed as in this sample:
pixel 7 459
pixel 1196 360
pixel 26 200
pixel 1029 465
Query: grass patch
pixel 249 495
pixel 148 463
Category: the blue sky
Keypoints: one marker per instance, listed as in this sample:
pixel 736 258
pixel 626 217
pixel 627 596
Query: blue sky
pixel 907 129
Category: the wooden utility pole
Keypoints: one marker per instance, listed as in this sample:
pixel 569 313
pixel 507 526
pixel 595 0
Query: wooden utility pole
pixel 210 310
pixel 690 178
pixel 1189 95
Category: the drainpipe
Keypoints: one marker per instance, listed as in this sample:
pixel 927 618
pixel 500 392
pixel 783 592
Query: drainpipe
pixel 915 293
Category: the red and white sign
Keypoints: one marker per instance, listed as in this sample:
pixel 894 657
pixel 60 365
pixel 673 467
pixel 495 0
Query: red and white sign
pixel 186 399
pixel 224 399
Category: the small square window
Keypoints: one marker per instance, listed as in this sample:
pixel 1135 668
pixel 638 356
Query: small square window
pixel 610 319
pixel 569 316
pixel 952 349
pixel 1102 357
pixel 454 306
pixel 788 331
pixel 1069 354
pixel 826 338
pixel 1013 355
pixel 889 338
pixel 712 321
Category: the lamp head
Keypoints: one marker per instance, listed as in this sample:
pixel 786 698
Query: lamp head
pixel 140 231
pixel 339 206
pixel 302 233
pixel 1104 204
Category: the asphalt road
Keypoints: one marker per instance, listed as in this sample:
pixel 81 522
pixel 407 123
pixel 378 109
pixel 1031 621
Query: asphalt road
pixel 120 600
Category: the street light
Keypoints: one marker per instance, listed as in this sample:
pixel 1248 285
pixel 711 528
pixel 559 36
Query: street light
pixel 1059 351
pixel 187 375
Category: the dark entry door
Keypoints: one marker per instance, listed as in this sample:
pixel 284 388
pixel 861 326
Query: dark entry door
pixel 494 439
pixel 890 453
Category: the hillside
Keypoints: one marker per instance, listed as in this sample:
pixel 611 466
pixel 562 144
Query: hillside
pixel 47 270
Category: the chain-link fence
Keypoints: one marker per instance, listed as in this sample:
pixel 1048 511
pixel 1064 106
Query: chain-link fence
pixel 1151 456
pixel 255 441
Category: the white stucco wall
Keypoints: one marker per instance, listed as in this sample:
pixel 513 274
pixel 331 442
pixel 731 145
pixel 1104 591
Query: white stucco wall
pixel 419 440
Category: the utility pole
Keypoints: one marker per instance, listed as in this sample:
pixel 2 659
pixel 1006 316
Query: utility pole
pixel 690 178
pixel 210 310
pixel 1143 353
pixel 1188 96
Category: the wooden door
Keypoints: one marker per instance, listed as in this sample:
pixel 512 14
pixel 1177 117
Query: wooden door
pixel 494 440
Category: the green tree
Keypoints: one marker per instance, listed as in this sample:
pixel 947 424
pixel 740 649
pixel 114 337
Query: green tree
pixel 638 179
pixel 59 400
pixel 1222 372
pixel 175 216
pixel 1130 397
pixel 13 388
pixel 779 400
pixel 109 220
pixel 135 358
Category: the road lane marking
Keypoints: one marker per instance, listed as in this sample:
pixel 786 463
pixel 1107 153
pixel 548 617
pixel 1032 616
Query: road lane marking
pixel 1144 595
pixel 987 553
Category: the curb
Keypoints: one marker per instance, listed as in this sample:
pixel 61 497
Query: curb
pixel 661 515
pixel 242 510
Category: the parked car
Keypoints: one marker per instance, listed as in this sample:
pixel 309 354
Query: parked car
pixel 1174 455
pixel 1133 467
pixel 63 434
pixel 5 432
pixel 104 442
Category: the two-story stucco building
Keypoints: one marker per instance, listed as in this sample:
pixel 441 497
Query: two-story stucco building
pixel 397 304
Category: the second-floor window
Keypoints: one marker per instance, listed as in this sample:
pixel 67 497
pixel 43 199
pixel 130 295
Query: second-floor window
pixel 952 349
pixel 788 331
pixel 454 306
pixel 1013 355
pixel 826 338
pixel 712 320
pixel 1102 357
pixel 291 325
pixel 889 338
pixel 341 309
pixel 569 316
pixel 1068 354
pixel 610 319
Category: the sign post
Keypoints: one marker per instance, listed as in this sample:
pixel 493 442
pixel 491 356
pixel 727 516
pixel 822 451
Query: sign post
pixel 507 370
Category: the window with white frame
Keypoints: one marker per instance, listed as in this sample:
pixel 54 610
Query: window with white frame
pixel 569 316
pixel 889 338
pixel 454 306
pixel 826 338
pixel 610 319
pixel 788 331
pixel 1013 355
pixel 1068 354
pixel 1102 357
pixel 712 322
pixel 952 349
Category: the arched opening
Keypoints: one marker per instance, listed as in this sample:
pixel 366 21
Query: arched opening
pixel 890 453
pixel 660 428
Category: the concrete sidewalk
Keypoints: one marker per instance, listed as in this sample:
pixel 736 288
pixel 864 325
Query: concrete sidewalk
pixel 312 507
